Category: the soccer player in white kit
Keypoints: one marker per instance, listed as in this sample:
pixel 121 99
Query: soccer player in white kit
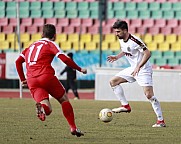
pixel 140 70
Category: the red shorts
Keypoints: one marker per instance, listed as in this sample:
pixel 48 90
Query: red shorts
pixel 41 86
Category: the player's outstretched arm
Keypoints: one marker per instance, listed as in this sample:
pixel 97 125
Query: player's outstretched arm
pixel 113 58
pixel 19 68
pixel 68 61
pixel 84 71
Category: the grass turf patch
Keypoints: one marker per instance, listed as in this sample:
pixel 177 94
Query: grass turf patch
pixel 19 124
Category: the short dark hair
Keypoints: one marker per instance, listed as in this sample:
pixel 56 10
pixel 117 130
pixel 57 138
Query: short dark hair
pixel 49 31
pixel 120 24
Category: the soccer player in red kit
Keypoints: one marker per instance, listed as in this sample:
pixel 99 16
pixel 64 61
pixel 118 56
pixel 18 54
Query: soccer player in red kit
pixel 41 79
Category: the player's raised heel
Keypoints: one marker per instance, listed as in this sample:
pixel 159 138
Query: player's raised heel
pixel 40 112
pixel 77 132
pixel 125 108
pixel 159 124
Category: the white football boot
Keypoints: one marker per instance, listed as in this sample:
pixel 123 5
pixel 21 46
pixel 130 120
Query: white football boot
pixel 125 108
pixel 159 124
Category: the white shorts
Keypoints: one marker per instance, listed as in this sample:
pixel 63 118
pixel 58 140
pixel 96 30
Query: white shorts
pixel 144 77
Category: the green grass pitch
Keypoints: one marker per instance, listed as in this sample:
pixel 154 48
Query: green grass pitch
pixel 19 124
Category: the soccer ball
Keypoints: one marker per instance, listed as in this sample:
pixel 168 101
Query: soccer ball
pixel 106 115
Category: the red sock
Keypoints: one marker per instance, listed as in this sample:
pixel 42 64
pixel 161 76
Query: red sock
pixel 46 109
pixel 69 114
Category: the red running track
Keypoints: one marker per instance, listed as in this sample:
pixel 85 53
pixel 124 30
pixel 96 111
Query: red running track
pixel 83 94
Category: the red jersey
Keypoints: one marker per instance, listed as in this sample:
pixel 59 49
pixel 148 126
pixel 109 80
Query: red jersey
pixel 38 57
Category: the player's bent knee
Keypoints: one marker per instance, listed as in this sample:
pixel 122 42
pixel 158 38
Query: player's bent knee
pixel 63 98
pixel 116 81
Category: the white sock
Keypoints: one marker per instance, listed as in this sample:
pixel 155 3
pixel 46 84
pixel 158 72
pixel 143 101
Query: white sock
pixel 156 107
pixel 118 91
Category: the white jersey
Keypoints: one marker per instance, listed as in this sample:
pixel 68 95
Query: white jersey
pixel 133 49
